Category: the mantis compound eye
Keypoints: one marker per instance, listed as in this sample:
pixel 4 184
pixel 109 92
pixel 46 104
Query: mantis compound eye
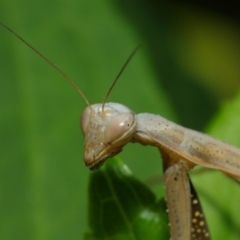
pixel 84 120
pixel 119 127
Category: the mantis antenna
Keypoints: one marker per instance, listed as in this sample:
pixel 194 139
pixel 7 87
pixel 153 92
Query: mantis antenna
pixel 48 61
pixel 119 74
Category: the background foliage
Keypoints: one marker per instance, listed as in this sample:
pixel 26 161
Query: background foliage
pixel 188 72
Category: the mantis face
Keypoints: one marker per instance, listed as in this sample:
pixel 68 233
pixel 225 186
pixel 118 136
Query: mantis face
pixel 106 131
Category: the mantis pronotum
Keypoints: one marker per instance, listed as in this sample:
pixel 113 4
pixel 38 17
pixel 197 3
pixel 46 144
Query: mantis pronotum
pixel 107 127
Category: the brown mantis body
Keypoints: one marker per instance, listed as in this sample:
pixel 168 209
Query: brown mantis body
pixel 108 127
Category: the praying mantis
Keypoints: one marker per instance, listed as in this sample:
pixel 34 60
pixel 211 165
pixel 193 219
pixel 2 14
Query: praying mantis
pixel 108 127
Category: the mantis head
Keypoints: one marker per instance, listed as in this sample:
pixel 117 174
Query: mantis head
pixel 106 131
pixel 106 127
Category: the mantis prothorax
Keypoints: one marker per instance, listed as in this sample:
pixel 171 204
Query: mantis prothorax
pixel 108 127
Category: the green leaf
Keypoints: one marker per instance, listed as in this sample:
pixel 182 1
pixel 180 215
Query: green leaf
pixel 121 207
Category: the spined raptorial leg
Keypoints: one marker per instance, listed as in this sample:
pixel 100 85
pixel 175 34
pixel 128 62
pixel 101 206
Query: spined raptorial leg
pixel 199 229
pixel 178 201
pixel 186 217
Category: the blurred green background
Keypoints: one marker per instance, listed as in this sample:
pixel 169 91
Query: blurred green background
pixel 188 72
